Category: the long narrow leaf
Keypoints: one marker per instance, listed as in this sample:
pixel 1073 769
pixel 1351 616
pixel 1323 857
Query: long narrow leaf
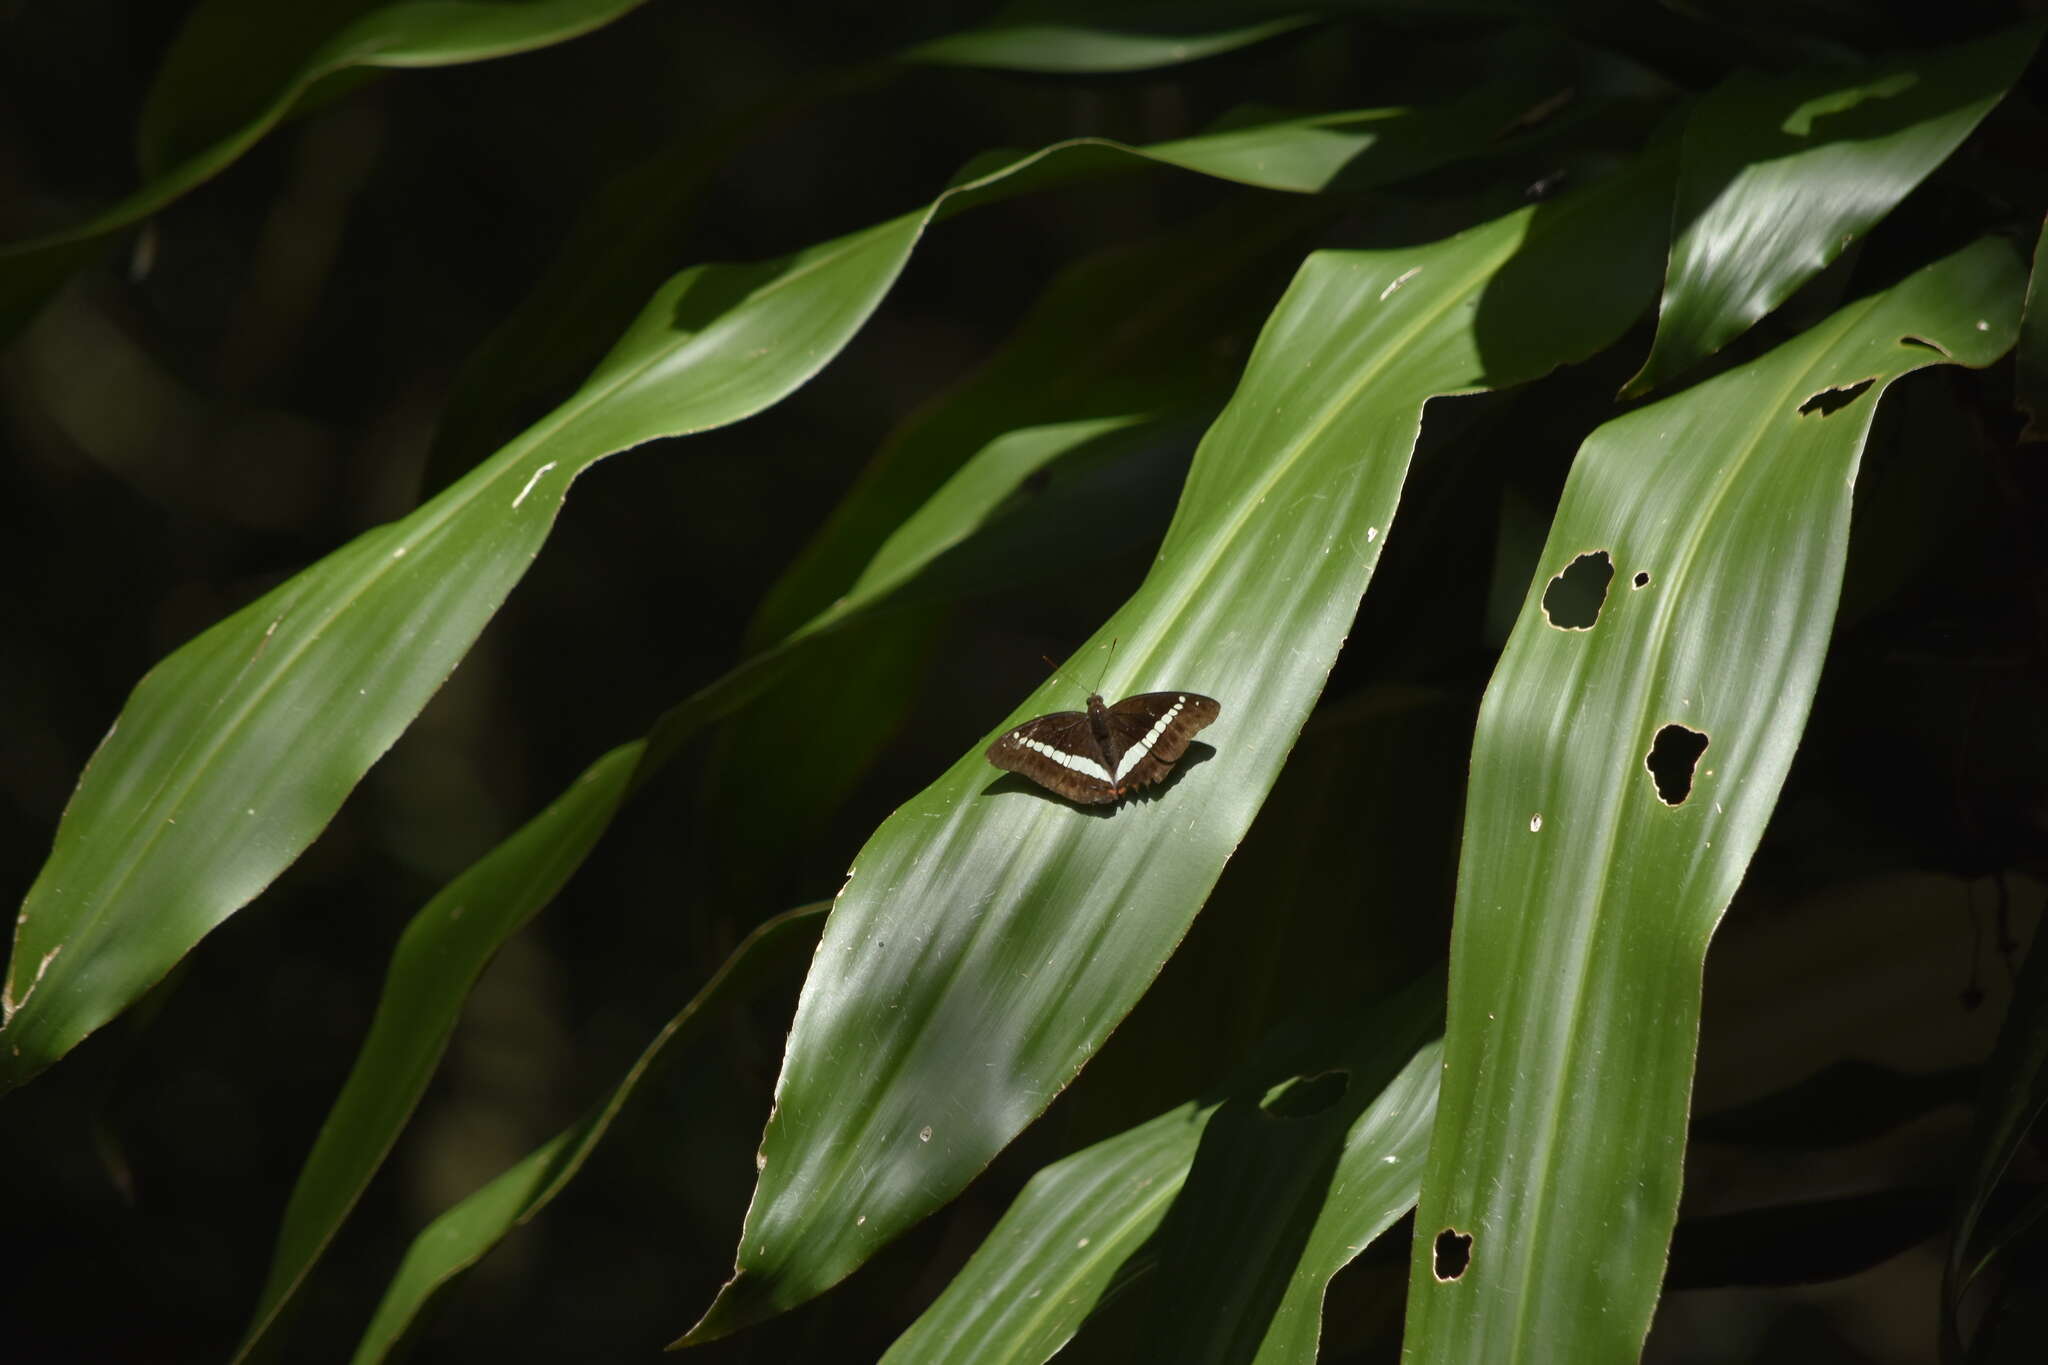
pixel 964 539
pixel 1134 35
pixel 1085 1227
pixel 989 938
pixel 390 35
pixel 1780 173
pixel 460 1237
pixel 235 751
pixel 1279 1201
pixel 1602 845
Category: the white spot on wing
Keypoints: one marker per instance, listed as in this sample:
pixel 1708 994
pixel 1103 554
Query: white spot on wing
pixel 1087 767
pixel 1137 752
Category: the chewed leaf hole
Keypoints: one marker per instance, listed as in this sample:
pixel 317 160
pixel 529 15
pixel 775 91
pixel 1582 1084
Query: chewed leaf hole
pixel 1673 756
pixel 1573 599
pixel 1305 1096
pixel 1641 580
pixel 1828 402
pixel 1453 1254
pixel 1924 342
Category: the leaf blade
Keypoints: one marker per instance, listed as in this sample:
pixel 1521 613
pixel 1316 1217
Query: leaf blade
pixel 1585 902
pixel 885 1045
pixel 1780 174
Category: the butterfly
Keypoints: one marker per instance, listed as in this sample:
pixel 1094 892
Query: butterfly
pixel 1105 753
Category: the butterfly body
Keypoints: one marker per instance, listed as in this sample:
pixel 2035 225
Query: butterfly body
pixel 1103 754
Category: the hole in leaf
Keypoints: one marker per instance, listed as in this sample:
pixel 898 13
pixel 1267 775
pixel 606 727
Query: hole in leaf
pixel 1307 1095
pixel 1673 756
pixel 1574 597
pixel 1923 341
pixel 1453 1254
pixel 1828 402
pixel 1641 580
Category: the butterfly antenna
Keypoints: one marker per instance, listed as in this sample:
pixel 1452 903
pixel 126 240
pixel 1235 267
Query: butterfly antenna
pixel 1105 664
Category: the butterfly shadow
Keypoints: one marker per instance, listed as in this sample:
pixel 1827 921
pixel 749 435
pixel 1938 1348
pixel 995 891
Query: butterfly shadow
pixel 1016 784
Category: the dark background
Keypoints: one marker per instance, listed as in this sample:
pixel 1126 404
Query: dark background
pixel 272 384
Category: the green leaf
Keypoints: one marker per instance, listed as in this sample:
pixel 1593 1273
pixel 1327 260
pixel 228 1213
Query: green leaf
pixel 2032 378
pixel 1279 1200
pixel 973 533
pixel 989 937
pixel 242 65
pixel 1780 173
pixel 443 950
pixel 1083 1230
pixel 1134 35
pixel 460 1237
pixel 234 752
pixel 1586 899
pixel 1061 366
pixel 621 245
pixel 2014 1097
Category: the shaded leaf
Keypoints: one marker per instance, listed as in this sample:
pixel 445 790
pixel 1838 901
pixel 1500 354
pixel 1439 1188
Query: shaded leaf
pixel 1590 886
pixel 1284 1194
pixel 2032 378
pixel 240 67
pixel 1083 1229
pixel 1130 35
pixel 460 1237
pixel 2014 1097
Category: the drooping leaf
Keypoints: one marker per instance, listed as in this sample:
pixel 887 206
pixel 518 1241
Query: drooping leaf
pixel 460 1237
pixel 988 937
pixel 240 67
pixel 1602 842
pixel 234 752
pixel 1780 173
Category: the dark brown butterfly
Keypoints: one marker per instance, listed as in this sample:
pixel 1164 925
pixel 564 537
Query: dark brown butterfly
pixel 1106 752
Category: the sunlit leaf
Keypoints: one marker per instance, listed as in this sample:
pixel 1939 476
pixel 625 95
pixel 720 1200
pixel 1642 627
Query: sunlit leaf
pixel 989 937
pixel 1780 173
pixel 1602 844
pixel 234 752
pixel 970 535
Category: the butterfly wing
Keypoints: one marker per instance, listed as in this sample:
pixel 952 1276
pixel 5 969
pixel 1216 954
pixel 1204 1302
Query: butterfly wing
pixel 1059 753
pixel 1151 730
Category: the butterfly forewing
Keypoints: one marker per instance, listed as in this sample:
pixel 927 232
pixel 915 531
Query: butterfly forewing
pixel 1059 753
